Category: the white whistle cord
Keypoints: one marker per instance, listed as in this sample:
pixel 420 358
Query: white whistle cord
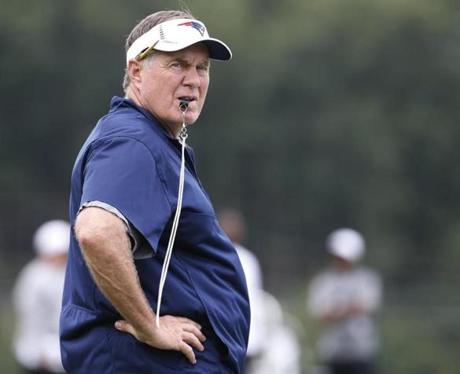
pixel 172 236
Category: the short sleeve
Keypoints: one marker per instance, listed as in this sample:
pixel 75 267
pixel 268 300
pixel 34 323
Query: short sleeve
pixel 140 251
pixel 123 173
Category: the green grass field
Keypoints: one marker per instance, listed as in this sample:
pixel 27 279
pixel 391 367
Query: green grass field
pixel 7 362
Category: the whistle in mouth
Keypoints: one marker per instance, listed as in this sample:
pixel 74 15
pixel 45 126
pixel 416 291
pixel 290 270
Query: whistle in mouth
pixel 183 105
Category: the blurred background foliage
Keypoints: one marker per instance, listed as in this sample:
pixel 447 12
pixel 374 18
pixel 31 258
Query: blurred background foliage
pixel 332 113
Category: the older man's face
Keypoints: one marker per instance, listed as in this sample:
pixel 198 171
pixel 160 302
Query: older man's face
pixel 171 77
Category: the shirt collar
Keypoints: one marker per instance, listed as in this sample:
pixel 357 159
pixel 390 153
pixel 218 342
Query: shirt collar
pixel 125 102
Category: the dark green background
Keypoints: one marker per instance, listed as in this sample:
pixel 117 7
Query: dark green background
pixel 332 113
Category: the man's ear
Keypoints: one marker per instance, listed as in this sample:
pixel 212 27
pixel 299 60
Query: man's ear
pixel 134 71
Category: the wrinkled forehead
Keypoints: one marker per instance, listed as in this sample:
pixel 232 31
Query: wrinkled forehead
pixel 196 55
pixel 198 52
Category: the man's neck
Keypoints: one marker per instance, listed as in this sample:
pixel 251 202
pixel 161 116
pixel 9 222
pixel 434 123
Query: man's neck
pixel 134 96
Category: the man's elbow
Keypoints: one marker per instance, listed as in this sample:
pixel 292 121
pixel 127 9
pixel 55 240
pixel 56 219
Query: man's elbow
pixel 87 232
pixel 94 227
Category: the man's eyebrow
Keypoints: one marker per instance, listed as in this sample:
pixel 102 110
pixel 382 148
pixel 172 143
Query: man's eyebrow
pixel 184 60
pixel 204 64
pixel 179 59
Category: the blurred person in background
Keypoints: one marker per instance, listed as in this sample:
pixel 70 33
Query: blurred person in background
pixel 345 299
pixel 273 346
pixel 132 180
pixel 37 298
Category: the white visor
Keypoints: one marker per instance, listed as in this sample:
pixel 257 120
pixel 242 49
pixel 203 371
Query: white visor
pixel 177 34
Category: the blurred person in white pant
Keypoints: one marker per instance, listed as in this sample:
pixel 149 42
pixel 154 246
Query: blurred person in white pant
pixel 345 298
pixel 273 345
pixel 37 298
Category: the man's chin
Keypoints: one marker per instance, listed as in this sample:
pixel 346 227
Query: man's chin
pixel 191 118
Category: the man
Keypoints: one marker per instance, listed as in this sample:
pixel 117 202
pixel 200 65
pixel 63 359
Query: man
pixel 345 298
pixel 123 311
pixel 37 297
pixel 233 224
pixel 273 346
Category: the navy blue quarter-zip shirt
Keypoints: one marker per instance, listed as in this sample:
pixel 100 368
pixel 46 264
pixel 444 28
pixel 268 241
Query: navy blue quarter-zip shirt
pixel 131 163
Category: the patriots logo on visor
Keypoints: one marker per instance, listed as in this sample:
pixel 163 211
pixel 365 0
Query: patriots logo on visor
pixel 197 26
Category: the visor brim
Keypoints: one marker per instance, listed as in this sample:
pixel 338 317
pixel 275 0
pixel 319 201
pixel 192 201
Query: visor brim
pixel 218 50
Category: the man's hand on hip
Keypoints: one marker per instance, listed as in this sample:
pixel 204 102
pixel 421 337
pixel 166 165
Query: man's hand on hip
pixel 175 333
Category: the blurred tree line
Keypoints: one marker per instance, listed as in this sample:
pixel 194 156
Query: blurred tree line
pixel 332 113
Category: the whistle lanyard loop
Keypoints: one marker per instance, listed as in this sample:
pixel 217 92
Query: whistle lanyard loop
pixel 164 270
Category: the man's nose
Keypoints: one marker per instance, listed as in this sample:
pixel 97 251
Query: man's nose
pixel 192 78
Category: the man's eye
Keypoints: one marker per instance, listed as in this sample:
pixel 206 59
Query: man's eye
pixel 175 64
pixel 203 69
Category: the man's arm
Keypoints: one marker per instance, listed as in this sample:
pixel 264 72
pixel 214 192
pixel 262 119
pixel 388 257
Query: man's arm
pixel 106 249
